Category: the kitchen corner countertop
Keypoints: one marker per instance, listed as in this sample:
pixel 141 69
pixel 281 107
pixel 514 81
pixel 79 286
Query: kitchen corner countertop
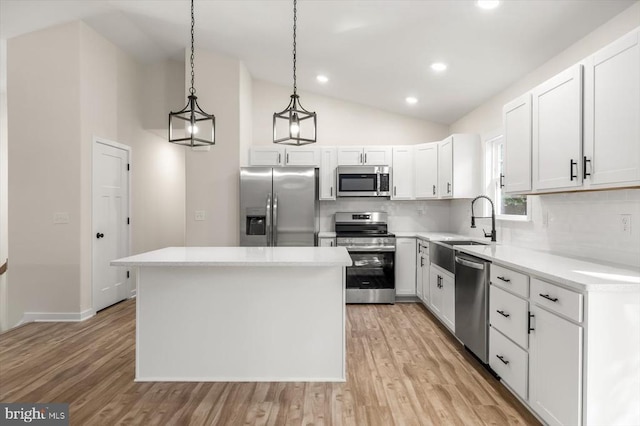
pixel 240 256
pixel 581 275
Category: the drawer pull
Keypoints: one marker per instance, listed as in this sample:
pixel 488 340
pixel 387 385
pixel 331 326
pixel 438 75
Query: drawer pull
pixel 506 280
pixel 546 296
pixel 501 358
pixel 503 313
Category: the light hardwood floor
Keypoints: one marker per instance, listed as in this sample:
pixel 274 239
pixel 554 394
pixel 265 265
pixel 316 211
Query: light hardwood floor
pixel 402 368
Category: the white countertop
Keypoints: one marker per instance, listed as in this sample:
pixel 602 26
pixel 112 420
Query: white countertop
pixel 582 275
pixel 239 256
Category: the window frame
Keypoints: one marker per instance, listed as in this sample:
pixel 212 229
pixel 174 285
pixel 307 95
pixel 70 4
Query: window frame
pixel 492 177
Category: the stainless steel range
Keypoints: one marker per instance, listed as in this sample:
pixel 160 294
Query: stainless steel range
pixel 371 279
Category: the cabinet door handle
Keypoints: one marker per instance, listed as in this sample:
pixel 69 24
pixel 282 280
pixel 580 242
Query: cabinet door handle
pixel 584 167
pixel 503 313
pixel 448 187
pixel 419 248
pixel 365 158
pixel 421 261
pixel 501 180
pixel 360 158
pixel 394 190
pixel 287 158
pixel 434 190
pixel 506 280
pixel 331 191
pixel 501 358
pixel 546 296
pixel 529 328
pixel 279 158
pixel 571 164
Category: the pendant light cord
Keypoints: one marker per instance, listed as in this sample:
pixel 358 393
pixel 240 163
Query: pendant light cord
pixel 192 90
pixel 295 25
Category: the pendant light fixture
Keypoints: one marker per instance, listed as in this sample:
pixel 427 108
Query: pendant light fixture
pixel 297 124
pixel 191 126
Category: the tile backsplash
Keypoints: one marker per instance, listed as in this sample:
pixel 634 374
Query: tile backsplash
pixel 579 224
pixel 403 215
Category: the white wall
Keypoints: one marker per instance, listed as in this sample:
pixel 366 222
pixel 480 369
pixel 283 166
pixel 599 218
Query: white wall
pixel 579 224
pixel 83 86
pixel 4 227
pixel 44 170
pixel 213 177
pixel 340 122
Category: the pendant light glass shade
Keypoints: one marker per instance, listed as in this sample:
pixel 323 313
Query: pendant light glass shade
pixel 295 125
pixel 191 126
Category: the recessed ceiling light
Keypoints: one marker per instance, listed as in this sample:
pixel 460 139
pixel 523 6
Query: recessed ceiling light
pixel 488 4
pixel 322 78
pixel 438 66
pixel 411 100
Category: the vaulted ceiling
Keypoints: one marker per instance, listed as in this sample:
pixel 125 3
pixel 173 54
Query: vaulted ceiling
pixel 374 52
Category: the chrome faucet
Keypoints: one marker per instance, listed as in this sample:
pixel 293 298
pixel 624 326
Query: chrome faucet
pixel 491 234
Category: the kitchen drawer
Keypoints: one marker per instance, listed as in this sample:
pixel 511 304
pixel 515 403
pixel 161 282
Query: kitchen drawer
pixel 557 299
pixel 509 361
pixel 510 315
pixel 508 279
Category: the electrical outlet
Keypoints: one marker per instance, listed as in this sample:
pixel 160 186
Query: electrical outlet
pixel 199 215
pixel 625 224
pixel 545 219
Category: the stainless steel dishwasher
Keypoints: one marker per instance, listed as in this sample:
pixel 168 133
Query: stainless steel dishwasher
pixel 472 303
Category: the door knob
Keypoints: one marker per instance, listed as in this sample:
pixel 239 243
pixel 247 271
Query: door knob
pixel 99 235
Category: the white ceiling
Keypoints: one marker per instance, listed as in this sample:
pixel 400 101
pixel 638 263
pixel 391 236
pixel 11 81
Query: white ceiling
pixel 375 52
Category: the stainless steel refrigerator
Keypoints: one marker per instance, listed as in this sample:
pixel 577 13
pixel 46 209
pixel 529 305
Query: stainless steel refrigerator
pixel 279 206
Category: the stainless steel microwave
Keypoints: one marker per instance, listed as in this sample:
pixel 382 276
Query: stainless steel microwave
pixel 363 181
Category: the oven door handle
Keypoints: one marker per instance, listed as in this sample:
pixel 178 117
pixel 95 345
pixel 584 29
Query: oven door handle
pixel 371 249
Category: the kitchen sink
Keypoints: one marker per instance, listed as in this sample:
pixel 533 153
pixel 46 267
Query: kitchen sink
pixel 463 243
pixel 442 253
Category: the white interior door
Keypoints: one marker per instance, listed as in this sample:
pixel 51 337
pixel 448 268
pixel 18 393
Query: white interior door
pixel 110 217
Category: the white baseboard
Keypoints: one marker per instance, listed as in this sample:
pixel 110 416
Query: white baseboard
pixel 57 316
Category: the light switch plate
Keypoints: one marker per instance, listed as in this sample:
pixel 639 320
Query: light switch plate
pixel 60 218
pixel 199 215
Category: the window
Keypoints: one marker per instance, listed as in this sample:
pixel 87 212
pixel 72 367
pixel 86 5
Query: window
pixel 508 207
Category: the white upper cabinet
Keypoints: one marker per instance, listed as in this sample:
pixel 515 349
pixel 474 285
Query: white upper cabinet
pixel 284 156
pixel 266 156
pixel 459 166
pixel 612 114
pixel 426 171
pixel 557 131
pixel 358 155
pixel 516 119
pixel 302 156
pixel 328 163
pixel 402 173
pixel 377 156
pixel 445 168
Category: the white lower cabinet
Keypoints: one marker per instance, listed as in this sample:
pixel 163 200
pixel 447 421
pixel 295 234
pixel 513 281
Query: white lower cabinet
pixel 556 368
pixel 571 356
pixel 442 295
pixel 405 266
pixel 509 361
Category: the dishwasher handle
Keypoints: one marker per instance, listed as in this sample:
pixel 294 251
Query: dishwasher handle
pixel 470 263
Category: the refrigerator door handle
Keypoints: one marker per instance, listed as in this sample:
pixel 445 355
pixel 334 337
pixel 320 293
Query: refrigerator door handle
pixel 275 219
pixel 268 220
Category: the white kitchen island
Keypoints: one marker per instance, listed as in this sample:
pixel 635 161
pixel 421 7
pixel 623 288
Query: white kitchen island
pixel 240 313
